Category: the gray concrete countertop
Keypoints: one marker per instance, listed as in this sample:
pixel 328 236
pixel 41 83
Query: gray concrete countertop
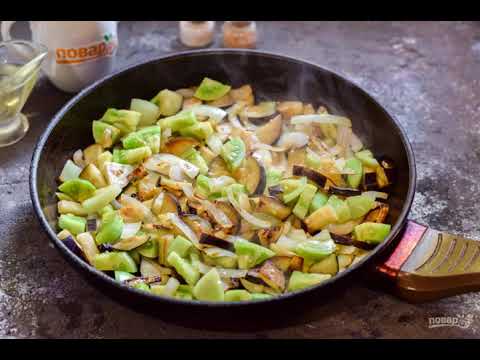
pixel 425 73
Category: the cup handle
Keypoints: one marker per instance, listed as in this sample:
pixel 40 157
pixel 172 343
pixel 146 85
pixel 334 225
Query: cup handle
pixel 428 264
pixel 5 30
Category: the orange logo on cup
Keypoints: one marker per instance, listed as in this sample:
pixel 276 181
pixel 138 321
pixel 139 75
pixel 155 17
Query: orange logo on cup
pixel 86 53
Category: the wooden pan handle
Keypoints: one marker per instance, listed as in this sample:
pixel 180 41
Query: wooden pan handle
pixel 428 264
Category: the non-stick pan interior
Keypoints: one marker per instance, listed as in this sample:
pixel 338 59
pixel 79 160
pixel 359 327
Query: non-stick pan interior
pixel 271 76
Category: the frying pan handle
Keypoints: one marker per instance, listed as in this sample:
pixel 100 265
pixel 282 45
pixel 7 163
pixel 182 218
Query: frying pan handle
pixel 428 264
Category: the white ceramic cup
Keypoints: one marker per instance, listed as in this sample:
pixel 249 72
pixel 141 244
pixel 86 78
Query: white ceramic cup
pixel 79 52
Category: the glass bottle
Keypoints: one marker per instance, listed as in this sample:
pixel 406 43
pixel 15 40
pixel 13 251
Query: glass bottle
pixel 196 33
pixel 240 34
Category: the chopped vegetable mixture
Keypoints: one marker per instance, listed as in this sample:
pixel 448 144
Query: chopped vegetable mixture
pixel 203 194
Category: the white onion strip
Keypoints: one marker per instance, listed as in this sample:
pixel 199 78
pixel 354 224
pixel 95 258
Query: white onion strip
pixel 155 162
pixel 214 113
pixel 217 214
pixel 127 200
pixel 244 214
pixel 130 229
pixel 184 228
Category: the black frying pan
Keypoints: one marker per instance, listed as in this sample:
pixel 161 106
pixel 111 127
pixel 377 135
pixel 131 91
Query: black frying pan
pixel 274 77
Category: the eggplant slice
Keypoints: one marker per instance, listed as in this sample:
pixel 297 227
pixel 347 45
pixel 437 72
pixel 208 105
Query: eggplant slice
pixel 275 191
pixel 225 101
pixel 312 175
pixel 179 145
pixel 271 131
pixel 260 113
pixel 218 168
pixel 253 176
pixel 208 239
pixel 273 206
pixel 378 215
pixel 232 214
pixel 370 181
pixel 345 240
pixel 335 190
pixel 270 235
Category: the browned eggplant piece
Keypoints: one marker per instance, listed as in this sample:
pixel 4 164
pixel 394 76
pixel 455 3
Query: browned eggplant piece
pixel 389 167
pixel 243 93
pixel 370 180
pixel 253 176
pixel 273 206
pixel 231 283
pixel 208 239
pixel 343 191
pixel 295 157
pixel 312 175
pixel 290 108
pixel 270 235
pixel 260 113
pixel 223 102
pixel 179 145
pixel 251 286
pixel 218 168
pixel 271 131
pixel 296 263
pixel 275 191
pixel 282 262
pixel 345 240
pixel 72 245
pixel 272 276
pixel 105 247
pixel 378 215
pixel 253 276
pixel 91 225
pixel 198 224
pixel 296 222
pixel 232 214
pixel 382 179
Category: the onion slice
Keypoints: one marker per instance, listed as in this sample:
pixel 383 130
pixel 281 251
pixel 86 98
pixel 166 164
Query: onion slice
pixel 184 228
pixel 155 162
pixel 321 119
pixel 245 215
pixel 214 113
pixel 217 214
pixel 130 229
pixel 127 200
pixel 293 140
pixel 78 158
pixel 187 189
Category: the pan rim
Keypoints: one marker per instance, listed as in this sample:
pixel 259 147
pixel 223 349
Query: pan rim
pixel 73 259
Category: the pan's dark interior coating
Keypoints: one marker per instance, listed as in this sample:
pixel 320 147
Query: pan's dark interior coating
pixel 273 77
